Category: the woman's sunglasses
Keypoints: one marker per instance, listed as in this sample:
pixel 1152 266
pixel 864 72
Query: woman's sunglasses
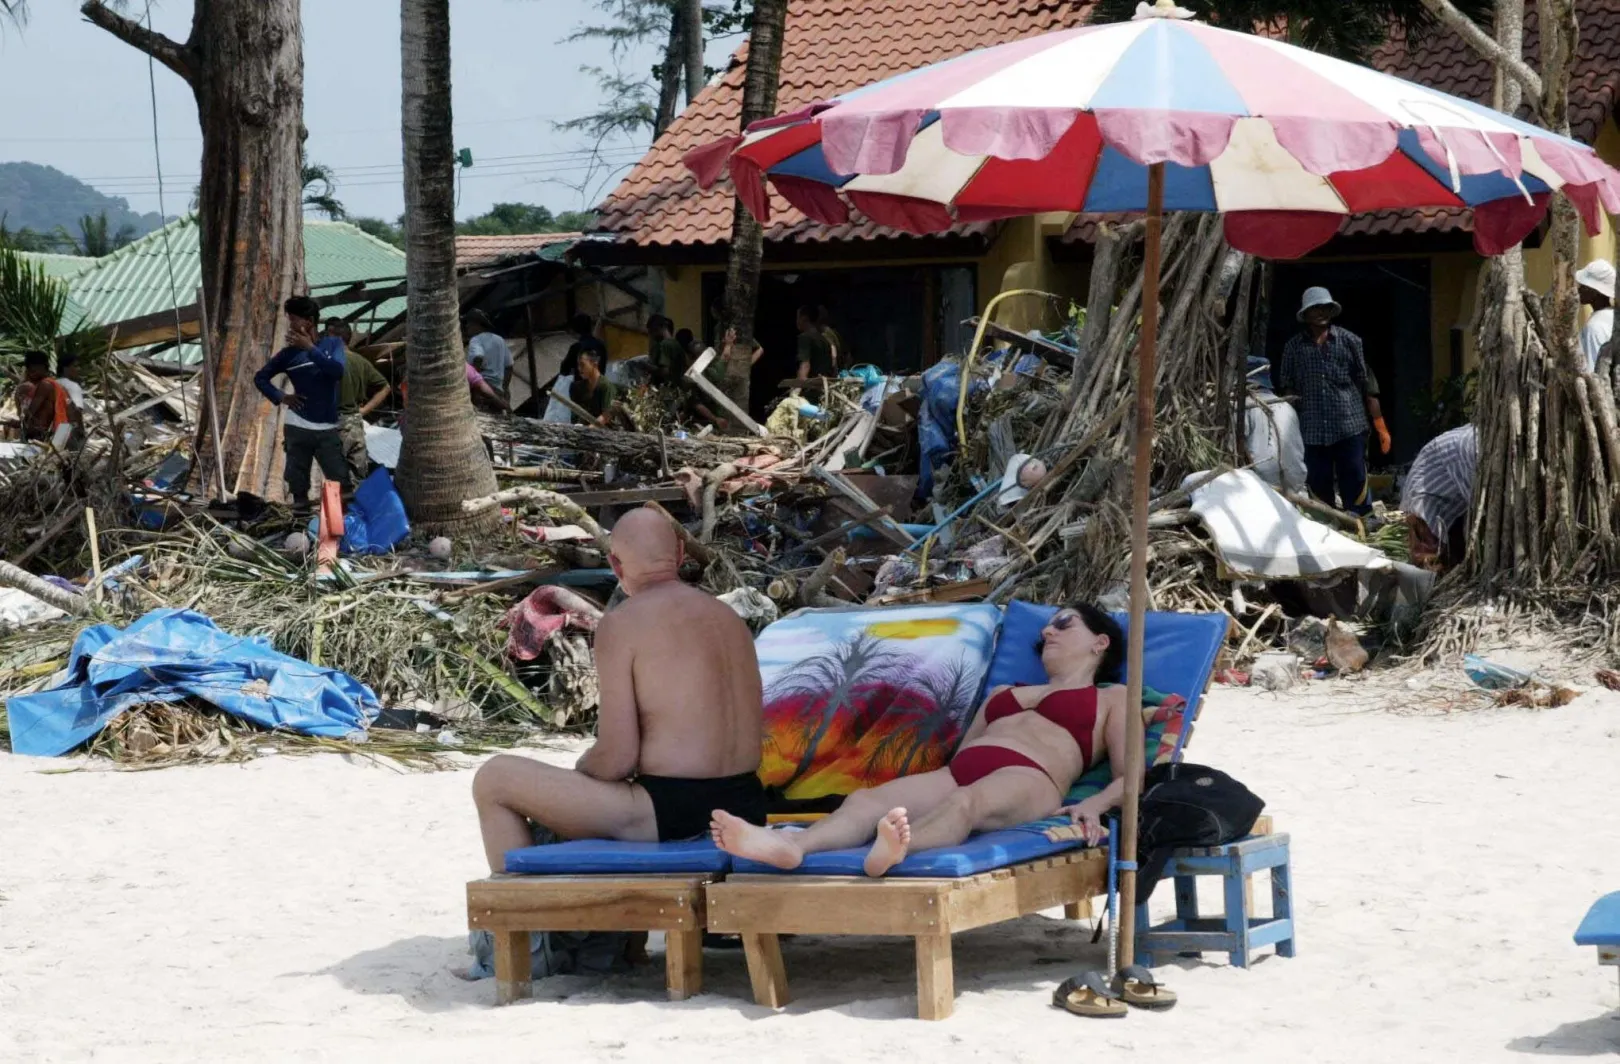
pixel 1062 621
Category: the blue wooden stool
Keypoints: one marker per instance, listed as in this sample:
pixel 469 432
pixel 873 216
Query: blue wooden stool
pixel 1237 932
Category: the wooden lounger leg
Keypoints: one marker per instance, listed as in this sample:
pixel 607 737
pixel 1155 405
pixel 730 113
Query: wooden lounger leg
pixel 936 982
pixel 513 974
pixel 1078 910
pixel 765 970
pixel 683 964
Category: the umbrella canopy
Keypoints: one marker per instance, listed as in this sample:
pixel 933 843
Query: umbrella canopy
pixel 1284 142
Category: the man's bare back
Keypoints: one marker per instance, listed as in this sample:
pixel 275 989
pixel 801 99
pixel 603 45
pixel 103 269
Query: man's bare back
pixel 679 727
pixel 695 679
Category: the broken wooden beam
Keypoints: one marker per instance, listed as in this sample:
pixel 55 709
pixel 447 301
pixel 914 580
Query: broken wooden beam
pixel 707 387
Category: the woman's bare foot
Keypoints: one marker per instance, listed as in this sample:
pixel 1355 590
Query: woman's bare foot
pixel 890 846
pixel 739 838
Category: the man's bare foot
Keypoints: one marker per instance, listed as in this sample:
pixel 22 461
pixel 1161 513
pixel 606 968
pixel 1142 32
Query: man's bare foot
pixel 890 846
pixel 739 838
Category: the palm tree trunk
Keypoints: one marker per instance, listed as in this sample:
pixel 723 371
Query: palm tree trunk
pixel 747 251
pixel 244 62
pixel 442 458
pixel 669 74
pixel 692 43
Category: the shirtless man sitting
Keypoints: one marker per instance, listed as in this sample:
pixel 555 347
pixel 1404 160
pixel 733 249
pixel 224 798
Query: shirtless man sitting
pixel 680 727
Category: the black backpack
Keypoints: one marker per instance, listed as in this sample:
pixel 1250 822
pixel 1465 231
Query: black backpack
pixel 1188 805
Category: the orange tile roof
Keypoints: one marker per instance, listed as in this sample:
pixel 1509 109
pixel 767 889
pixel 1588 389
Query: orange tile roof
pixel 831 47
pixel 476 252
pixel 834 46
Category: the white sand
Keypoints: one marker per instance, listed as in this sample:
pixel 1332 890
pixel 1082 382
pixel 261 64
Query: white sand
pixel 309 909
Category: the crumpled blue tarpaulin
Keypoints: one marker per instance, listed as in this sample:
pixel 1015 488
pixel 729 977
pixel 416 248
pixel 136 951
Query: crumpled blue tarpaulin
pixel 169 655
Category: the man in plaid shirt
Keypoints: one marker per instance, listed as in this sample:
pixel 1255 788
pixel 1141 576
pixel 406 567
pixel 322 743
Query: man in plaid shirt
pixel 1325 375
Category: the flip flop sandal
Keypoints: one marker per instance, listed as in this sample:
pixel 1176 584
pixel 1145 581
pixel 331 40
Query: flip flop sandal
pixel 1087 995
pixel 1136 986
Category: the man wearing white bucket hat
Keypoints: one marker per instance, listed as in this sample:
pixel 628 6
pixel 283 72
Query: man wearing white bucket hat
pixel 1596 282
pixel 1325 374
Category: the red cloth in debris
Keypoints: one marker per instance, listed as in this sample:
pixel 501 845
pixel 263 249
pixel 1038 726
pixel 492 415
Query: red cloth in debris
pixel 547 611
pixel 691 481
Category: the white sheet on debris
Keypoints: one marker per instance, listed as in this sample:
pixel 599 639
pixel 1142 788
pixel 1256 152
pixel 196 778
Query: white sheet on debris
pixel 1259 533
pixel 19 609
pixel 382 444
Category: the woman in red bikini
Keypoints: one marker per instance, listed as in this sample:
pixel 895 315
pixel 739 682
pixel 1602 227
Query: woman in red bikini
pixel 1023 752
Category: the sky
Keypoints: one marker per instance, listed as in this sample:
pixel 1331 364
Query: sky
pixel 80 100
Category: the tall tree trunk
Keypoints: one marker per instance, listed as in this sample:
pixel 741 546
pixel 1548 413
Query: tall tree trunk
pixel 747 250
pixel 1543 512
pixel 442 459
pixel 244 63
pixel 669 74
pixel 691 17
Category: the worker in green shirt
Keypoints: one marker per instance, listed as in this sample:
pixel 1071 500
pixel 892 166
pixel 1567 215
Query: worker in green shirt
pixel 840 353
pixel 360 393
pixel 589 391
pixel 668 358
pixel 815 353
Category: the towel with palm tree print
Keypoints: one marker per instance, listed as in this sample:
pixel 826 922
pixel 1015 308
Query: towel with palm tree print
pixel 855 698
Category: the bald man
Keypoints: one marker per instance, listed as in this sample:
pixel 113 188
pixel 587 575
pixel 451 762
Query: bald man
pixel 680 726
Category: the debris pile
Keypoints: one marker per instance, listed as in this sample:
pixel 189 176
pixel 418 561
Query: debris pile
pixel 1005 472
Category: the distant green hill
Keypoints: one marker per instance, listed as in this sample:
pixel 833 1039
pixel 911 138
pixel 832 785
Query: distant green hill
pixel 42 197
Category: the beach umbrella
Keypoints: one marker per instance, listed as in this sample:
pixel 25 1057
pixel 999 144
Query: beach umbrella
pixel 1159 113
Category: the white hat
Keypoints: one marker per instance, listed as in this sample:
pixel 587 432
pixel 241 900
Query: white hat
pixel 1011 490
pixel 1317 297
pixel 1598 275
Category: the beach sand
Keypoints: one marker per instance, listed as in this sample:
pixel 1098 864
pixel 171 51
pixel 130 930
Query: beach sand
pixel 312 908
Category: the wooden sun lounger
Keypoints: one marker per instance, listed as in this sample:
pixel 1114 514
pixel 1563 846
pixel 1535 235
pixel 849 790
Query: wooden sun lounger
pixel 762 907
pixel 511 906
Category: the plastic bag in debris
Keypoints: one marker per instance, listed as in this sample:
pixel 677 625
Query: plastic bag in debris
pixel 752 605
pixel 170 655
pixel 556 413
pixel 896 571
pixel 18 609
pixel 987 557
pixel 936 424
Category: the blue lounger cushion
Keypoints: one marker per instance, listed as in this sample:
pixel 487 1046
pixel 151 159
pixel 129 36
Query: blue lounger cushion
pixel 981 853
pixel 1602 924
pixel 591 857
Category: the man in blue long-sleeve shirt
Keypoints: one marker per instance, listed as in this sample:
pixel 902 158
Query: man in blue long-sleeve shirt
pixel 314 364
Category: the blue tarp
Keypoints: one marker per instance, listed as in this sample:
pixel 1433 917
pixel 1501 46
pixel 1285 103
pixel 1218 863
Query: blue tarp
pixel 375 521
pixel 169 655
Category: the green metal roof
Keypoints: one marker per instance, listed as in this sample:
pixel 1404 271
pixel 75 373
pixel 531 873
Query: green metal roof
pixel 60 267
pixel 136 280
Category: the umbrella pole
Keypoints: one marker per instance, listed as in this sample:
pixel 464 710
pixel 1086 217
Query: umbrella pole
pixel 1140 483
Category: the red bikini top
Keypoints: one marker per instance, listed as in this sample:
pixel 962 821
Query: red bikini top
pixel 1074 710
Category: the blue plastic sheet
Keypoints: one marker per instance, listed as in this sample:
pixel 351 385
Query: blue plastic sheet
pixel 936 425
pixel 375 521
pixel 169 655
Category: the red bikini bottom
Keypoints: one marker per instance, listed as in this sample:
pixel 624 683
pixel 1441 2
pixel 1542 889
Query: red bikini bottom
pixel 973 764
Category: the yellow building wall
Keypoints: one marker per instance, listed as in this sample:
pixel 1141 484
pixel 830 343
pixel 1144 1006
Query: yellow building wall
pixel 1454 278
pixel 1019 258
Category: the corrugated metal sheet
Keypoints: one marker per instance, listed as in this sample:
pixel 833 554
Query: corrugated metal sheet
pixel 476 252
pixel 61 267
pixel 162 270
